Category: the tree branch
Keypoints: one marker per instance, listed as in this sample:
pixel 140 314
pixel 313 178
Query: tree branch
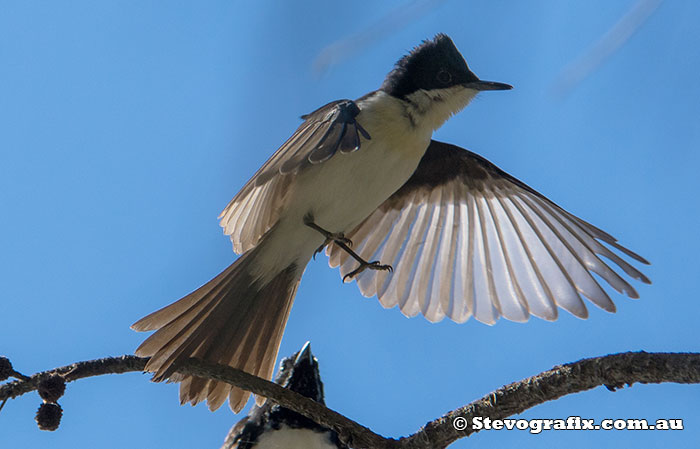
pixel 613 371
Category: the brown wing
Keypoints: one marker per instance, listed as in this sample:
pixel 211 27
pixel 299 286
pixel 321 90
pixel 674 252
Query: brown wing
pixel 256 208
pixel 467 239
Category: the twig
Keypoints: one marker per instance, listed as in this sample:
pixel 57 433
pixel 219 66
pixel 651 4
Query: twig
pixel 613 371
pixel 348 430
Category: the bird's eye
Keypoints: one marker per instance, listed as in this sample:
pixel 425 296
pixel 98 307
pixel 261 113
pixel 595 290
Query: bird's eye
pixel 444 76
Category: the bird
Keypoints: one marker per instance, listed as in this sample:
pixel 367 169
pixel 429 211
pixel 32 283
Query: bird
pixel 273 426
pixel 424 225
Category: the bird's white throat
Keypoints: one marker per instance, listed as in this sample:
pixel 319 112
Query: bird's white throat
pixel 433 107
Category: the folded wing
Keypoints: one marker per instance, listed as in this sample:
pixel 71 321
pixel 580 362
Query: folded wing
pixel 467 239
pixel 256 208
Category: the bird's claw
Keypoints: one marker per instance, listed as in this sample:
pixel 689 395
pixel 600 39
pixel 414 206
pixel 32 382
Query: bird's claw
pixel 374 265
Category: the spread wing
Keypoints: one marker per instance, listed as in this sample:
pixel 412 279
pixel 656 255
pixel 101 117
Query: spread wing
pixel 256 208
pixel 467 239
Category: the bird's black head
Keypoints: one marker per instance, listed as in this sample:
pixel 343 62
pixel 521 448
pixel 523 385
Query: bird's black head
pixel 299 373
pixel 435 64
pixel 304 376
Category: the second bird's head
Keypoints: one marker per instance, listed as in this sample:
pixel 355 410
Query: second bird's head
pixel 435 81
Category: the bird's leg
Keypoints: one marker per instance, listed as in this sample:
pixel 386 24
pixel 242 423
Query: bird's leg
pixel 344 243
pixel 336 237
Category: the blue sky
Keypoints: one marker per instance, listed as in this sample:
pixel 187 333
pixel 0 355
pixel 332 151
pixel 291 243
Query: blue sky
pixel 125 128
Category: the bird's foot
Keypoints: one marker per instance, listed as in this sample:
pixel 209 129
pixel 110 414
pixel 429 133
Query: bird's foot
pixel 344 243
pixel 374 265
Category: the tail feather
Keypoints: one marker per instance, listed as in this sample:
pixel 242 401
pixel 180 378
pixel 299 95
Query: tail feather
pixel 234 319
pixel 167 314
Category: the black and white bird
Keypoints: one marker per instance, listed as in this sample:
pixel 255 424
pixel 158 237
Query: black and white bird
pixel 273 427
pixel 425 226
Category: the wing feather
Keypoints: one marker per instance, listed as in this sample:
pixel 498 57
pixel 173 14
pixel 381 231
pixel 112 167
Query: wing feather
pixel 367 280
pixel 467 239
pixel 424 265
pixel 512 300
pixel 538 295
pixel 441 290
pixel 406 268
pixel 257 206
pixel 393 249
pixel 486 302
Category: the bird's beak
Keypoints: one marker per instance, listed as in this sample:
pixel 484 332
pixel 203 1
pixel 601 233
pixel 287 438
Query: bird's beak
pixel 487 85
pixel 304 354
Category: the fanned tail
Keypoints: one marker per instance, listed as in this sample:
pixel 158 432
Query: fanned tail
pixel 235 319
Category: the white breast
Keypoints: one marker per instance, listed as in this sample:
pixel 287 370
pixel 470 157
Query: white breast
pixel 344 190
pixel 288 438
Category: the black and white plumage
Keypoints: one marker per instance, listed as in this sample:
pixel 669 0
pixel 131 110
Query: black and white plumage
pixel 467 239
pixel 273 426
pixel 238 317
pixel 360 168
